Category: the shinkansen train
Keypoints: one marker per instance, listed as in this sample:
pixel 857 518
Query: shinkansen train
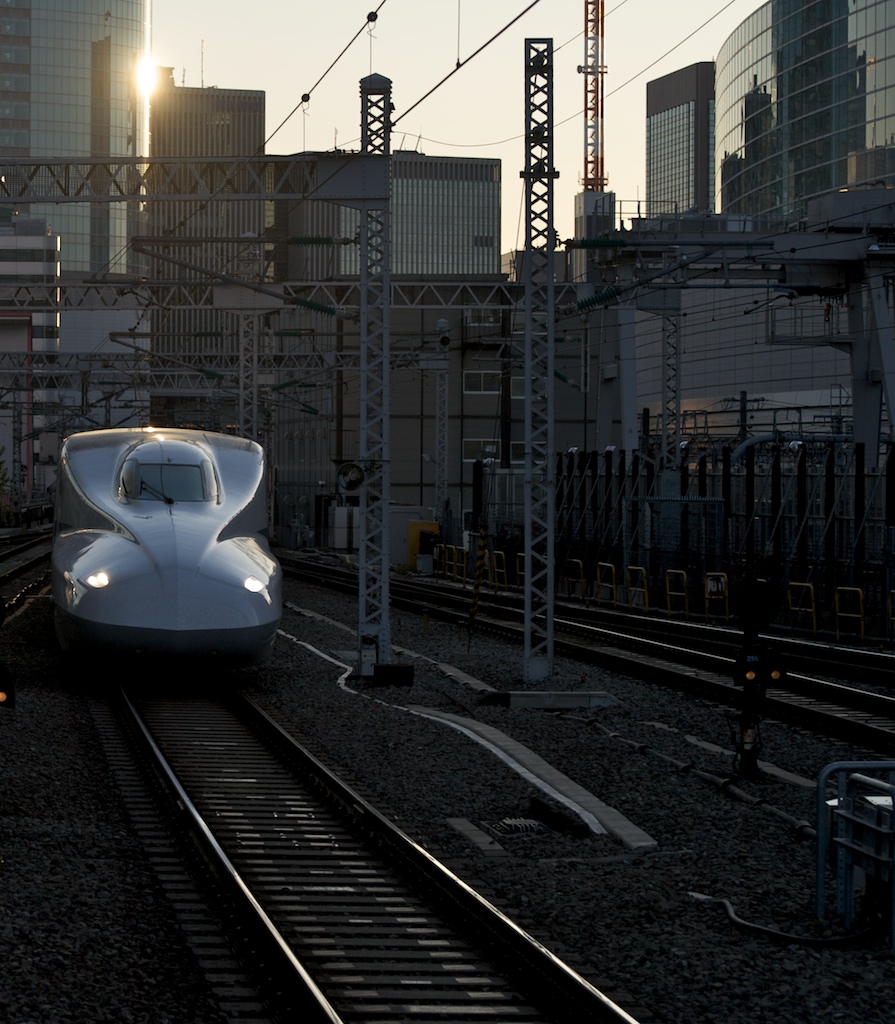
pixel 161 545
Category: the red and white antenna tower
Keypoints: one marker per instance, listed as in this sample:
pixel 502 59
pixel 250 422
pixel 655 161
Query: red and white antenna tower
pixel 594 71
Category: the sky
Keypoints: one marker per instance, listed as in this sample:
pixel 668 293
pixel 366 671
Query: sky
pixel 292 48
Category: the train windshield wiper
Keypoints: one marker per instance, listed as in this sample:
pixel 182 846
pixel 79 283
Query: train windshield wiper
pixel 155 493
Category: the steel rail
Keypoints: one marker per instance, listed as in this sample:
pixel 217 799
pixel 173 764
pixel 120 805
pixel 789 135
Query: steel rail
pixel 267 857
pixel 296 988
pixel 691 657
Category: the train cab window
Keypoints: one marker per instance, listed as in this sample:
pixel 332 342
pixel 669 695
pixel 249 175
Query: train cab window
pixel 169 482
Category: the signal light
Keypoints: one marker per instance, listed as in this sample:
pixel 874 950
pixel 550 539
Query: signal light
pixel 758 665
pixel 7 697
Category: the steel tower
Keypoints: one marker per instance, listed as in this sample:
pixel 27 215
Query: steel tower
pixel 539 176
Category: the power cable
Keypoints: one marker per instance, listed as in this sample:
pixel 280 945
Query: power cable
pixel 643 71
pixel 461 64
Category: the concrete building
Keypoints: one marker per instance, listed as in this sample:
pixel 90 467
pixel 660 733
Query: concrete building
pixel 805 107
pixel 445 223
pixel 28 253
pixel 215 235
pixel 445 248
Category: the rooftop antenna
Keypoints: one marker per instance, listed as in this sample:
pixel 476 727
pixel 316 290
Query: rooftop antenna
pixel 594 70
pixel 202 66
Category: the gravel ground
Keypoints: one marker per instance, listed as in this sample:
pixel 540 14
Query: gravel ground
pixel 85 935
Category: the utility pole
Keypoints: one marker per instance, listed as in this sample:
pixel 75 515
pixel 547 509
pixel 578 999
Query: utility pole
pixel 540 471
pixel 374 639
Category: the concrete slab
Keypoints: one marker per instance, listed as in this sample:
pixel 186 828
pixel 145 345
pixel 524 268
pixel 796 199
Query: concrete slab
pixel 560 699
pixel 479 838
pixel 553 782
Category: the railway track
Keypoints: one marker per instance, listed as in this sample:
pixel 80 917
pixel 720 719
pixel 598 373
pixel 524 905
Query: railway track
pixel 345 918
pixel 848 699
pixel 24 569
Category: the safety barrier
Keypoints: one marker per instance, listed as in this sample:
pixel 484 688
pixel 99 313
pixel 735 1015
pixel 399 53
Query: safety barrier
pixel 454 563
pixel 850 606
pixel 676 592
pixel 460 556
pixel 499 570
pixel 604 586
pixel 636 585
pixel 520 569
pixel 800 602
pixel 438 559
pixel 859 826
pixel 717 597
pixel 573 571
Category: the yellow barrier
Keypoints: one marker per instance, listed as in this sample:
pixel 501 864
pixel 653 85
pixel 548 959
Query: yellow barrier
pixel 717 593
pixel 676 587
pixel 800 600
pixel 850 605
pixel 489 567
pixel 605 583
pixel 635 582
pixel 460 565
pixel 520 569
pixel 500 570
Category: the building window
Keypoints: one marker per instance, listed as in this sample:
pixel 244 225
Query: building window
pixel 481 382
pixel 487 382
pixel 475 448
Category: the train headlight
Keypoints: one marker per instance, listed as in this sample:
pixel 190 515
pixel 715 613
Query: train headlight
pixel 97 580
pixel 253 584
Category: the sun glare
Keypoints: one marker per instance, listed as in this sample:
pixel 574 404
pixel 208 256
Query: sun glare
pixel 146 75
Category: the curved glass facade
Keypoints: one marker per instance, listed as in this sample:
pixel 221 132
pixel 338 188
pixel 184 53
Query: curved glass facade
pixel 68 88
pixel 805 104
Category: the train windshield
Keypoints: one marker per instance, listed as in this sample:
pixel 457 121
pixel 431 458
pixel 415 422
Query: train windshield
pixel 164 481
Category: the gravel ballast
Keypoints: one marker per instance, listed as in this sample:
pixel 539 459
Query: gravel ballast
pixel 86 935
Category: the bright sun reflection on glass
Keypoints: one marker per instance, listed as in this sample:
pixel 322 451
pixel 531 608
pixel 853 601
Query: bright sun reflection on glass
pixel 146 75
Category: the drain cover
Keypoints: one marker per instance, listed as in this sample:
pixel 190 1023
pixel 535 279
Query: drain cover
pixel 519 827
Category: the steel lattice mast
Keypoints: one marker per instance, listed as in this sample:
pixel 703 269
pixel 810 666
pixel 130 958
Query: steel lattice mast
pixel 538 277
pixel 594 71
pixel 374 640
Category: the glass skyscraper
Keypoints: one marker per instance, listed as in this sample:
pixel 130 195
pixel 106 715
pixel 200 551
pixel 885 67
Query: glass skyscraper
pixel 680 140
pixel 805 99
pixel 69 88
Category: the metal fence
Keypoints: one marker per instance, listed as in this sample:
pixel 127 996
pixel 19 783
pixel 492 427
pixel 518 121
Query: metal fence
pixel 811 514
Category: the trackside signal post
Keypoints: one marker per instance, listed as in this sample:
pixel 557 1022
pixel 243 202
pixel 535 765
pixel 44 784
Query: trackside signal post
pixel 757 667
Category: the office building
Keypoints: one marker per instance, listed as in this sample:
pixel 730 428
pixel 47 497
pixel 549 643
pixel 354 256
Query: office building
pixel 69 87
pixel 216 235
pixel 805 96
pixel 29 253
pixel 445 222
pixel 680 141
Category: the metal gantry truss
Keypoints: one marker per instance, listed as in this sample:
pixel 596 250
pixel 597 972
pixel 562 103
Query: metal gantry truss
pixel 330 176
pixel 539 175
